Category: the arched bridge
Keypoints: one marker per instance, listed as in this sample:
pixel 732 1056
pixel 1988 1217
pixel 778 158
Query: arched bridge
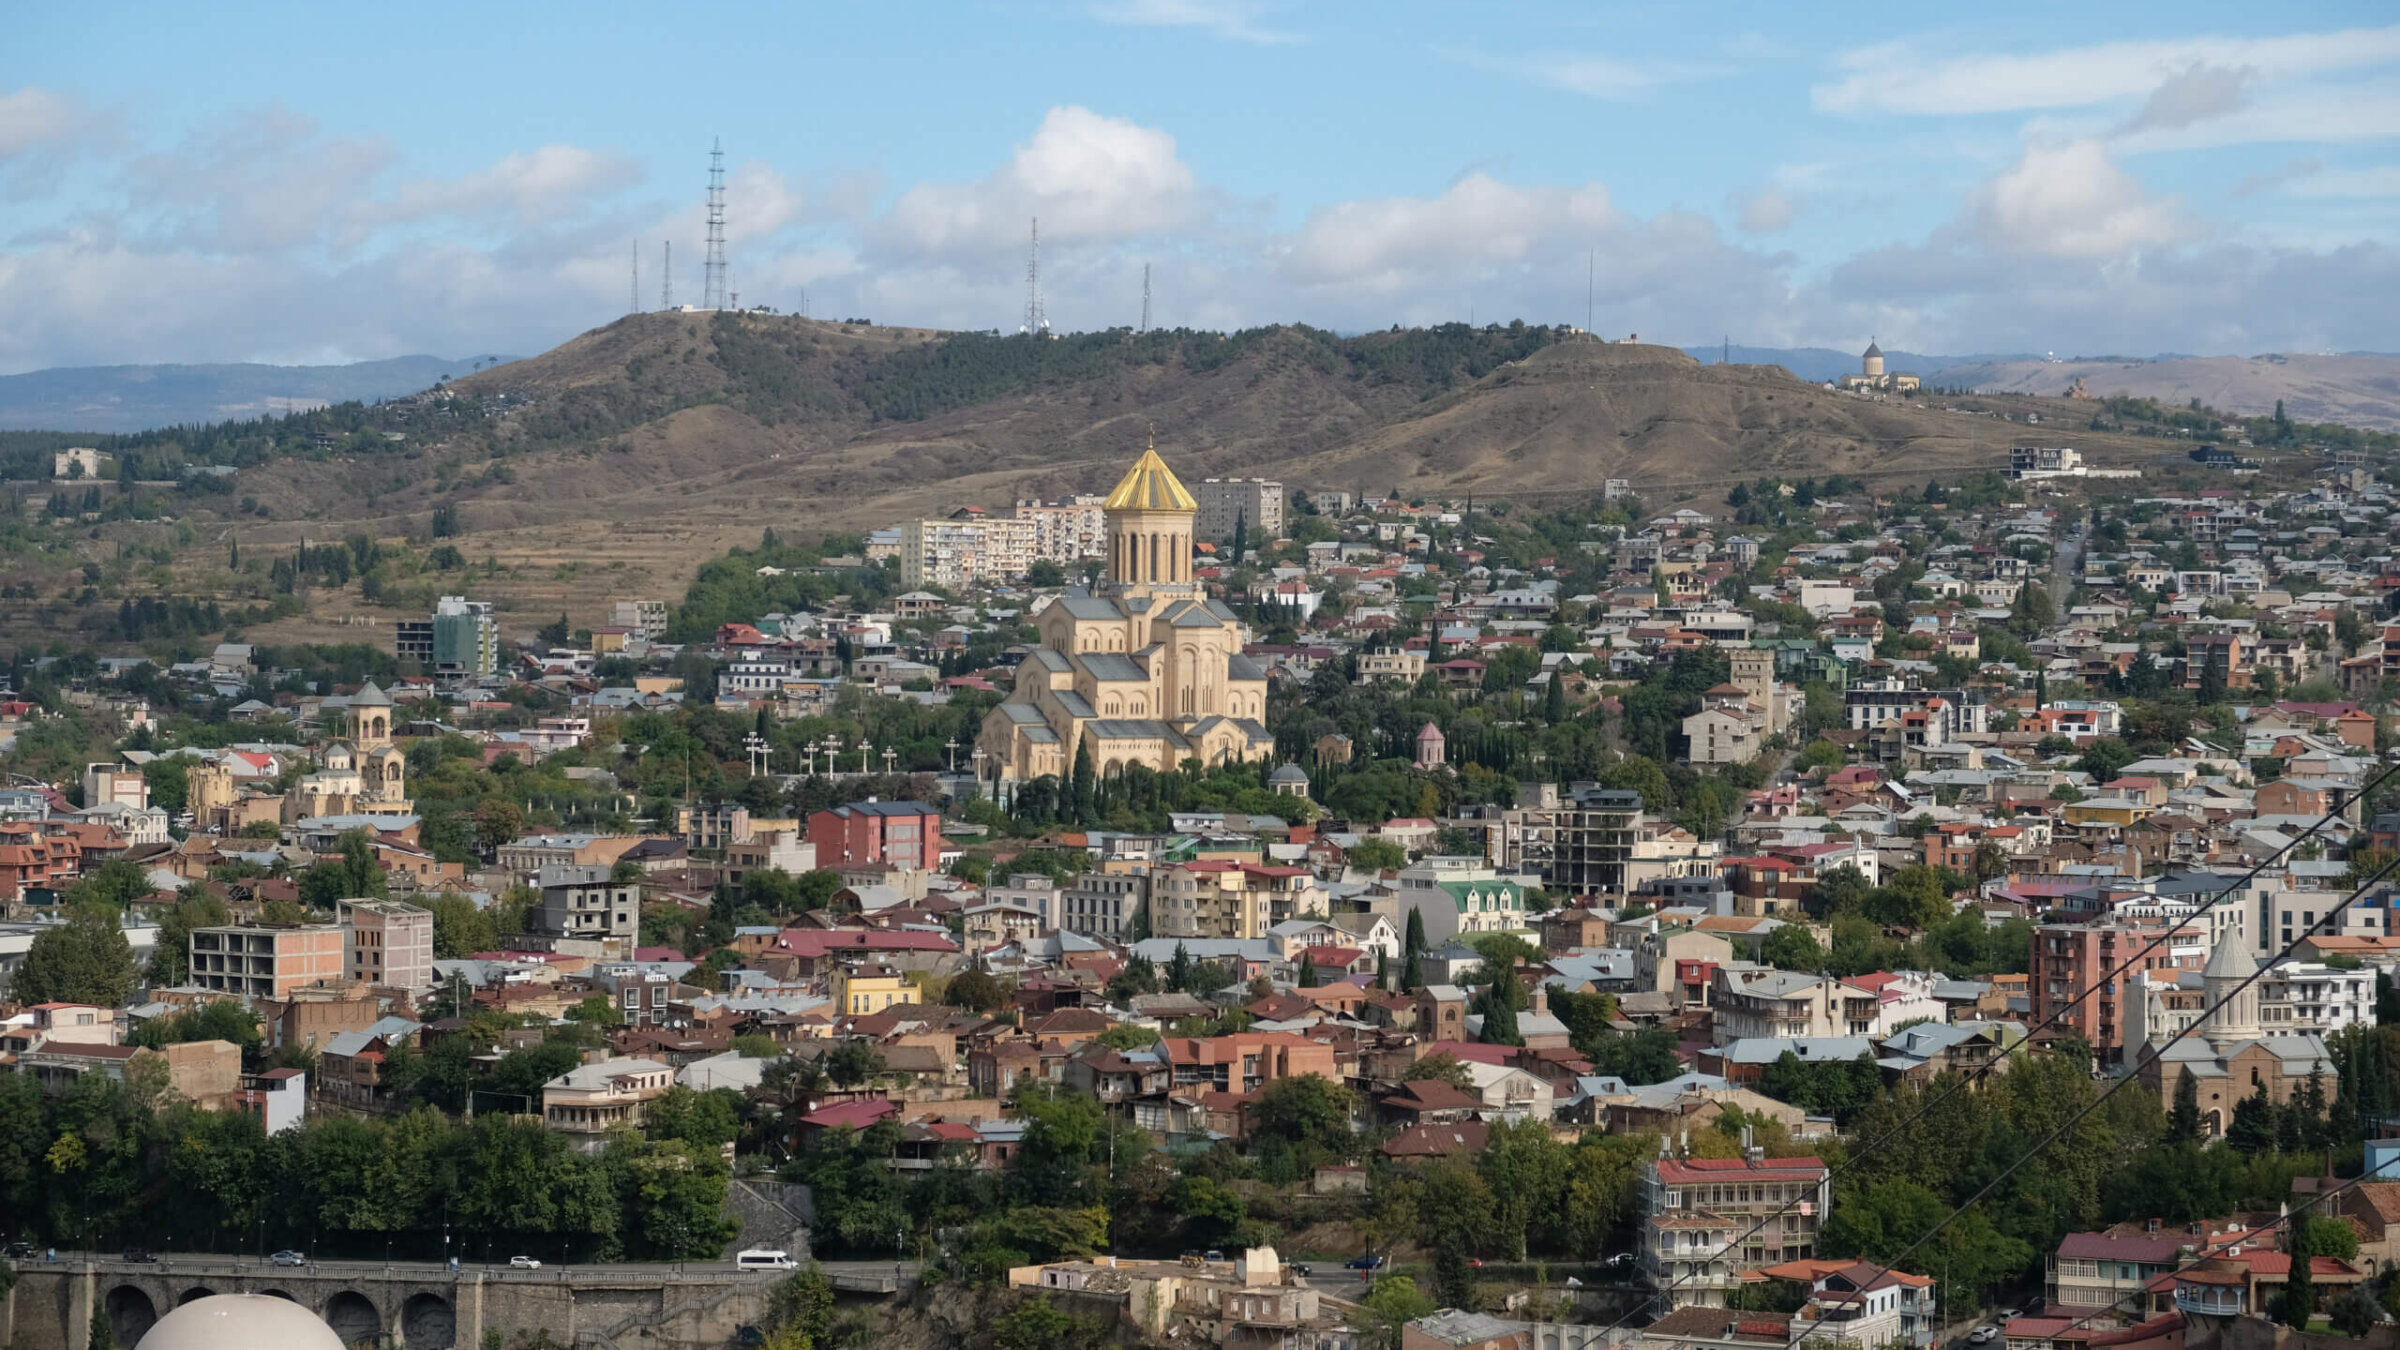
pixel 701 1306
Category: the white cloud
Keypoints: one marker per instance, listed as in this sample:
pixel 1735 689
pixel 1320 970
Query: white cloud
pixel 1090 178
pixel 1393 242
pixel 2192 95
pixel 2070 201
pixel 1233 19
pixel 1904 77
pixel 31 117
pixel 1586 73
pixel 533 187
pixel 1766 211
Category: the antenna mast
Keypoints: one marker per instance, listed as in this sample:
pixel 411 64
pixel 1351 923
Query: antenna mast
pixel 666 274
pixel 1591 273
pixel 1145 297
pixel 636 307
pixel 1035 323
pixel 712 290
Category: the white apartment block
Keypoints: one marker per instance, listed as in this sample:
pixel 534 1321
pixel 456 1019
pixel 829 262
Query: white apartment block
pixel 958 553
pixel 1225 502
pixel 1066 531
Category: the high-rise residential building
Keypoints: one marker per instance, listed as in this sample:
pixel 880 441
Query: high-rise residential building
pixel 587 902
pixel 460 642
pixel 263 962
pixel 1592 840
pixel 387 942
pixel 2081 976
pixel 955 553
pixel 1066 531
pixel 1226 502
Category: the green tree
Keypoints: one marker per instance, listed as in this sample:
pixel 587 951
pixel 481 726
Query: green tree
pixel 1032 1324
pixel 1390 1304
pixel 460 929
pixel 1307 1109
pixel 2299 1303
pixel 101 1336
pixel 171 953
pixel 976 990
pixel 2183 1123
pixel 803 1302
pixel 83 960
pixel 1793 947
pixel 1377 855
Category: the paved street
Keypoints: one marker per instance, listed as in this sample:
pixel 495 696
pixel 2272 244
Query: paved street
pixel 850 1273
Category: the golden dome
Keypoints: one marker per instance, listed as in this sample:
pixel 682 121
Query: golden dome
pixel 1150 486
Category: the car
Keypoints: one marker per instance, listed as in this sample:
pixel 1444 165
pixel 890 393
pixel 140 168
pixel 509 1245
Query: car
pixel 525 1263
pixel 1475 1262
pixel 1300 1269
pixel 1620 1259
pixel 287 1257
pixel 18 1251
pixel 1368 1262
pixel 1983 1335
pixel 1212 1254
pixel 140 1256
pixel 2008 1315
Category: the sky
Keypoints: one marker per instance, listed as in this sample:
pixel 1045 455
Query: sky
pixel 321 183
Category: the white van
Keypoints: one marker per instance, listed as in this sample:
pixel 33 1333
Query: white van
pixel 756 1259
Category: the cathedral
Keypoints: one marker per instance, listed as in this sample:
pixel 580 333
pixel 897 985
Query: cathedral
pixel 365 775
pixel 1149 670
pixel 2244 1046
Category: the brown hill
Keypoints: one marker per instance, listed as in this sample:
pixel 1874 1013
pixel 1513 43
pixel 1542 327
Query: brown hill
pixel 2354 390
pixel 612 466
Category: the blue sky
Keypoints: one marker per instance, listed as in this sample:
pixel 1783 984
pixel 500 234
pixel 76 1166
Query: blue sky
pixel 270 182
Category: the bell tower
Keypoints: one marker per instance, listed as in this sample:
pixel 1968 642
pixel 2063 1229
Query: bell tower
pixel 1150 526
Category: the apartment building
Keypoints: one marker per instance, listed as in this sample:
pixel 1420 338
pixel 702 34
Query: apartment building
pixel 2070 959
pixel 643 619
pixel 267 962
pixel 1694 1208
pixel 1256 503
pixel 904 834
pixel 1066 531
pixel 1593 836
pixel 460 641
pixel 583 902
pixel 1215 898
pixel 957 553
pixel 1103 905
pixel 386 942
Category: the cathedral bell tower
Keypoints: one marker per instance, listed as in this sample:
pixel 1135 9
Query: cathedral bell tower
pixel 1150 527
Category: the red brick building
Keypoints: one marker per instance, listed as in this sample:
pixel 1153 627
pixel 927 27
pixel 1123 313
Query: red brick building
pixel 903 834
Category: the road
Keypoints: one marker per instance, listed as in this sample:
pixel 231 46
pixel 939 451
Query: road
pixel 2068 565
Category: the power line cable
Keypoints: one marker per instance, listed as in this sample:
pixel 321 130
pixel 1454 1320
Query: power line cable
pixel 2132 1076
pixel 1985 1069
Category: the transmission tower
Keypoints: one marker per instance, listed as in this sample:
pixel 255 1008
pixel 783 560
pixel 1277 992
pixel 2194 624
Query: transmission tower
pixel 666 274
pixel 1145 297
pixel 1035 323
pixel 712 288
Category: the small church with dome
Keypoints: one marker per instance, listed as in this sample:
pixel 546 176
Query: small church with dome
pixel 2243 1046
pixel 1147 669
pixel 1872 377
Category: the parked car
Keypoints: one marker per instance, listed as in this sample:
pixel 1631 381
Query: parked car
pixel 2008 1315
pixel 140 1255
pixel 1300 1269
pixel 1983 1335
pixel 18 1251
pixel 1368 1262
pixel 288 1257
pixel 1212 1254
pixel 524 1263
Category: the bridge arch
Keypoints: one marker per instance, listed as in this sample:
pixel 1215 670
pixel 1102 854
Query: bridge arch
pixel 130 1313
pixel 353 1317
pixel 197 1291
pixel 278 1293
pixel 428 1322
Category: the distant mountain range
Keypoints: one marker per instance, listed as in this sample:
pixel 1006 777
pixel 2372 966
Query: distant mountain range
pixel 138 398
pixel 2360 389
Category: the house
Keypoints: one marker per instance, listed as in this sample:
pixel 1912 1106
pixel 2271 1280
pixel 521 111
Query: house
pixel 589 1100
pixel 1693 1208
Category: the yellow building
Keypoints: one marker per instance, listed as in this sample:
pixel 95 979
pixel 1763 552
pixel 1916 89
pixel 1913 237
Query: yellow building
pixel 870 988
pixel 1147 671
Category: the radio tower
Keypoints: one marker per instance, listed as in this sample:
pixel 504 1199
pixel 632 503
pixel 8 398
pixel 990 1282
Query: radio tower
pixel 1145 297
pixel 666 274
pixel 636 307
pixel 1035 323
pixel 712 289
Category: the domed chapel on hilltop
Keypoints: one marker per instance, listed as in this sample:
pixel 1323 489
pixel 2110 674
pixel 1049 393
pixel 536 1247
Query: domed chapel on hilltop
pixel 1148 670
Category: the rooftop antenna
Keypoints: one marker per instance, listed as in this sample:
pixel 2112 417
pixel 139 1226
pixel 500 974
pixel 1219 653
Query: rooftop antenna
pixel 666 274
pixel 1145 297
pixel 712 286
pixel 1035 323
pixel 636 306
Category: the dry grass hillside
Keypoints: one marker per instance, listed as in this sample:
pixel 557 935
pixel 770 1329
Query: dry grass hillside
pixel 617 463
pixel 2359 391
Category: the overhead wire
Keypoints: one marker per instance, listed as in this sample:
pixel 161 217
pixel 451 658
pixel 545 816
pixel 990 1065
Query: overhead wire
pixel 1982 1071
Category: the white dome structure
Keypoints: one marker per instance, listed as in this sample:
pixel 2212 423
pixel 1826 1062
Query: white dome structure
pixel 240 1322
